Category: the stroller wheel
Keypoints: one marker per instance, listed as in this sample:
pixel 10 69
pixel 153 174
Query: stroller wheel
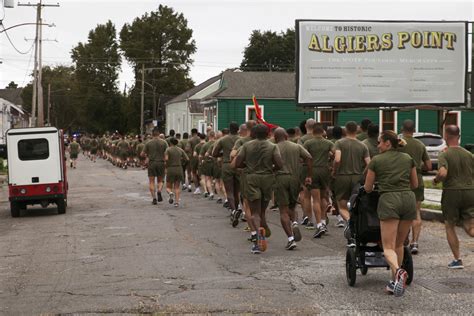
pixel 351 266
pixel 407 264
pixel 364 270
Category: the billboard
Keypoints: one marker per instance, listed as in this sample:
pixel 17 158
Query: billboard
pixel 371 63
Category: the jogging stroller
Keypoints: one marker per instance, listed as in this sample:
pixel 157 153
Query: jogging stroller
pixel 364 229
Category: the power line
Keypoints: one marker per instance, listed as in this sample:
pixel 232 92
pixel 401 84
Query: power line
pixel 13 45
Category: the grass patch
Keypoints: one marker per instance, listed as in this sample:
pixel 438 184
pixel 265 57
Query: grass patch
pixel 431 206
pixel 429 185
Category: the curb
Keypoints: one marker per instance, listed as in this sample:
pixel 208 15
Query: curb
pixel 432 215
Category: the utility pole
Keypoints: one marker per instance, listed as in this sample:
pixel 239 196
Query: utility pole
pixel 142 106
pixel 38 71
pixel 49 104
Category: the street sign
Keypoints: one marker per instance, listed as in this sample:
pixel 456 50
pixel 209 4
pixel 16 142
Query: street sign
pixel 371 63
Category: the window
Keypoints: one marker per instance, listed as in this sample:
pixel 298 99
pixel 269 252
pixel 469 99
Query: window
pixel 33 149
pixel 250 113
pixel 388 120
pixel 326 118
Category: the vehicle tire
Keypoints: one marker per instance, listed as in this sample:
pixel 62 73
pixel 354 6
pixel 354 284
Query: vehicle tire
pixel 407 264
pixel 61 203
pixel 15 209
pixel 351 266
pixel 364 270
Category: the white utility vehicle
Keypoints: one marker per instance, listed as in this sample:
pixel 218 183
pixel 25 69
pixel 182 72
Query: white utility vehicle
pixel 36 168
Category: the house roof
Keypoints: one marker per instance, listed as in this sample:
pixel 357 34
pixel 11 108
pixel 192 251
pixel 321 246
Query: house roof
pixel 189 93
pixel 265 85
pixel 12 95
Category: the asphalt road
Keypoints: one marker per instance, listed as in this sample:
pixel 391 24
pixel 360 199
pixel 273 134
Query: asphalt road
pixel 114 252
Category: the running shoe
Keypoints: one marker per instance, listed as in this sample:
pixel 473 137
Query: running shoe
pixel 389 287
pixel 219 201
pixel 171 198
pixel 319 232
pixel 211 196
pixel 340 223
pixel 274 207
pixel 242 217
pixel 160 197
pixel 206 194
pixel 347 231
pixel 197 191
pixel 456 264
pixel 236 217
pixel 246 229
pixel 414 248
pixel 255 249
pixel 189 188
pixel 305 220
pixel 71 164
pixel 351 243
pixel 324 227
pixel 253 238
pixel 261 242
pixel 296 231
pixel 176 204
pixel 226 204
pixel 401 277
pixel 310 226
pixel 184 187
pixel 290 245
pixel 154 202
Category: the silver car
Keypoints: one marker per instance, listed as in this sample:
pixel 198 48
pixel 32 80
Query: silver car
pixel 434 145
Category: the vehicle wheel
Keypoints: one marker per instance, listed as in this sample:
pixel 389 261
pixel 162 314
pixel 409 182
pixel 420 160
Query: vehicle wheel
pixel 407 264
pixel 15 209
pixel 351 266
pixel 364 270
pixel 61 203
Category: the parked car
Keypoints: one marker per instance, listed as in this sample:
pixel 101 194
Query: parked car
pixel 434 145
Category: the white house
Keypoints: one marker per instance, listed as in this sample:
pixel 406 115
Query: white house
pixel 185 111
pixel 11 116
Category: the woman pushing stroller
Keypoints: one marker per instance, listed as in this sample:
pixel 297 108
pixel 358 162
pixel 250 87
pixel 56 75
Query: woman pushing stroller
pixel 395 173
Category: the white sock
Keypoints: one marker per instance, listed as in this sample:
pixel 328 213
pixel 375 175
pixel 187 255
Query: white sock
pixel 323 221
pixel 291 238
pixel 319 225
pixel 295 223
pixel 254 233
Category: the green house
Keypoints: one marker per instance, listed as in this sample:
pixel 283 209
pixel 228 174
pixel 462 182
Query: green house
pixel 275 92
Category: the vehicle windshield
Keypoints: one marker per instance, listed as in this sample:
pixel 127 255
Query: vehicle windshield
pixel 430 140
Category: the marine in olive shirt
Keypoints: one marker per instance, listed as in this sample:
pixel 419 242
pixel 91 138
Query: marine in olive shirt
pixel 372 140
pixel 456 171
pixel 417 151
pixel 288 186
pixel 351 158
pixel 259 157
pixel 154 150
pixel 175 157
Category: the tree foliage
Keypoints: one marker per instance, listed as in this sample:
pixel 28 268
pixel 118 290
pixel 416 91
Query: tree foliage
pixel 270 51
pixel 12 85
pixel 160 39
pixel 97 65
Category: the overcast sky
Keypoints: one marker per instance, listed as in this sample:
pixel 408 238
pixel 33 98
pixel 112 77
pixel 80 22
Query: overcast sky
pixel 221 27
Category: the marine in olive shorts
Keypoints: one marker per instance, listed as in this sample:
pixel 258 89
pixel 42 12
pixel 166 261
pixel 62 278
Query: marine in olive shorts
pixel 259 157
pixel 456 171
pixel 175 157
pixel 154 150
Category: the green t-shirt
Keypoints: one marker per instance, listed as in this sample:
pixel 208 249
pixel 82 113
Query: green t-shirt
pixel 319 148
pixel 198 147
pixel 139 149
pixel 74 148
pixel 205 148
pixel 304 138
pixel 182 144
pixel 94 143
pixel 371 144
pixel 192 142
pixel 460 165
pixel 176 156
pixel 353 153
pixel 362 136
pixel 239 142
pixel 417 150
pixel 392 170
pixel 225 145
pixel 291 154
pixel 123 146
pixel 258 156
pixel 155 149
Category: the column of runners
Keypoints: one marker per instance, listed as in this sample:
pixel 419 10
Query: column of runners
pixel 247 166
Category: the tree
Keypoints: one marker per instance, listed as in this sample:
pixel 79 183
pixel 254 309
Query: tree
pixel 97 65
pixel 63 88
pixel 159 39
pixel 269 51
pixel 12 85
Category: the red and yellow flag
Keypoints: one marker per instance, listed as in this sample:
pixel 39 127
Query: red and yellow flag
pixel 258 114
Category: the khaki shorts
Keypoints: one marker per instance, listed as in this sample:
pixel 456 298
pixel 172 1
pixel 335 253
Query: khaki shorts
pixel 287 189
pixel 156 169
pixel 344 184
pixel 259 187
pixel 397 205
pixel 457 205
pixel 174 174
pixel 320 178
